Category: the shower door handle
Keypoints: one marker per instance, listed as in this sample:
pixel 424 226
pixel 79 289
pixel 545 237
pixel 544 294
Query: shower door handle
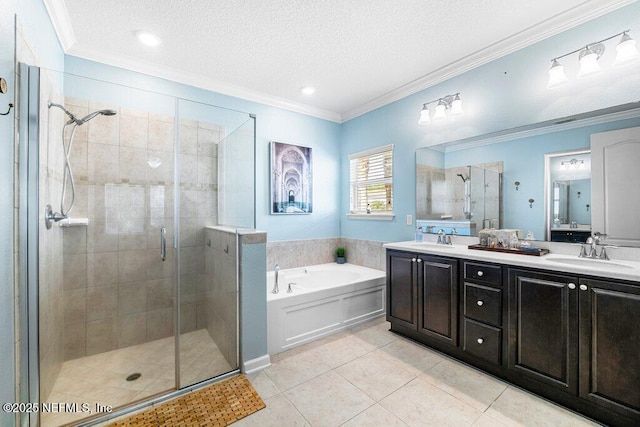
pixel 163 243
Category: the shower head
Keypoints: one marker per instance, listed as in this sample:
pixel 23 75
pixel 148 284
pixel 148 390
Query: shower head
pixel 463 178
pixel 79 122
pixel 94 114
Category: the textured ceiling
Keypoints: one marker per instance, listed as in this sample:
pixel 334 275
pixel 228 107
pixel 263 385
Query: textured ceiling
pixel 355 52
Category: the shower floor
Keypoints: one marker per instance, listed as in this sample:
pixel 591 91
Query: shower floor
pixel 101 378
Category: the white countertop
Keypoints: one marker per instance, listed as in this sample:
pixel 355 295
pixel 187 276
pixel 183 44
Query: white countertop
pixel 614 269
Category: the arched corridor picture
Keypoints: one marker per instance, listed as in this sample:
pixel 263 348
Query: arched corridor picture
pixel 291 179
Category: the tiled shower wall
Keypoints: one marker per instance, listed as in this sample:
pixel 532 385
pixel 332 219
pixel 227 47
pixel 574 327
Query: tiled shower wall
pixel 50 272
pixel 117 290
pixel 218 308
pixel 300 253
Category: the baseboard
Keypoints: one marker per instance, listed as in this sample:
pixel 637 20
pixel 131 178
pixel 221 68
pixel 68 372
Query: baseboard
pixel 256 365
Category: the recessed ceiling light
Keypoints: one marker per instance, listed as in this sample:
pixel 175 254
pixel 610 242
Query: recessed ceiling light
pixel 308 90
pixel 147 38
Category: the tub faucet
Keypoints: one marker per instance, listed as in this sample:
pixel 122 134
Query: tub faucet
pixel 276 270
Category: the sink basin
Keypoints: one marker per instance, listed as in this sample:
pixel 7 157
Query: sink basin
pixel 431 245
pixel 585 262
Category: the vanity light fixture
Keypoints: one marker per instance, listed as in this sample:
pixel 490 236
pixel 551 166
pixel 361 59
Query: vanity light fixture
pixel 531 203
pixel 453 103
pixel 626 53
pixel 517 184
pixel 572 164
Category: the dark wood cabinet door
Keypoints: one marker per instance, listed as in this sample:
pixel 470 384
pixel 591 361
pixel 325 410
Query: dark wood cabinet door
pixel 401 289
pixel 610 345
pixel 438 298
pixel 543 327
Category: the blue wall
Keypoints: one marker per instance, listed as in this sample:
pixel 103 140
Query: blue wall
pixel 506 93
pixel 7 336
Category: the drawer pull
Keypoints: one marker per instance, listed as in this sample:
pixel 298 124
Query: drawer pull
pixel 583 287
pixel 480 340
pixel 419 260
pixel 480 303
pixel 480 273
pixel 572 285
pixel 413 260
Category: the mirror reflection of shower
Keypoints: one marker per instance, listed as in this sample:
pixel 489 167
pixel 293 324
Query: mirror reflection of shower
pixel 467 196
pixel 68 172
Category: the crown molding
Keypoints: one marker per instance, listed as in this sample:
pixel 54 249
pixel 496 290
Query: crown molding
pixel 61 23
pixel 559 126
pixel 580 14
pixel 553 26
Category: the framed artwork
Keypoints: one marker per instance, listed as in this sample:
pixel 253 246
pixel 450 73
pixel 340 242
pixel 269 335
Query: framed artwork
pixel 291 179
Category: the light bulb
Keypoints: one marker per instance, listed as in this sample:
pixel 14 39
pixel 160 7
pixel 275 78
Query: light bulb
pixel 147 38
pixel 439 114
pixel 626 52
pixel 588 63
pixel 557 77
pixel 456 107
pixel 424 116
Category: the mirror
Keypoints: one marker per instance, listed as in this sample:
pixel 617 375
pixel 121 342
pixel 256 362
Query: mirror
pixel 522 152
pixel 568 196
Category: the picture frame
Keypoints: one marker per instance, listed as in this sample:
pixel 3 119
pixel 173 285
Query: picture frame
pixel 291 175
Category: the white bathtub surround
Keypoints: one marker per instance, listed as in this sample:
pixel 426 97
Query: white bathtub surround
pixel 305 252
pixel 325 299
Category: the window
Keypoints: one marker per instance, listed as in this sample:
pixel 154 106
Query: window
pixel 371 181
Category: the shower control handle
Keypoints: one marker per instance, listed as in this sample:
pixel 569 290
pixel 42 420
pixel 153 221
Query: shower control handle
pixel 163 243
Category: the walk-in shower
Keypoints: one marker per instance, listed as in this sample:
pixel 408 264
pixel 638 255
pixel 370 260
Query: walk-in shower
pixel 106 317
pixel 50 216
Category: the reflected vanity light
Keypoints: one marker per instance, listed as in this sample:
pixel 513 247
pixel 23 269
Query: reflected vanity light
pixel 572 164
pixel 517 184
pixel 531 203
pixel 154 162
pixel 626 54
pixel 450 103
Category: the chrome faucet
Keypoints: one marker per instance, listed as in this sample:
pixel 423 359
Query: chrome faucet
pixel 276 270
pixel 441 237
pixel 596 239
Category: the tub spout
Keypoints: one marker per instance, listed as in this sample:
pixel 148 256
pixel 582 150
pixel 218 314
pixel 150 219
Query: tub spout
pixel 276 270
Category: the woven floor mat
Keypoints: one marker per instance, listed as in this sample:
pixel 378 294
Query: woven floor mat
pixel 217 405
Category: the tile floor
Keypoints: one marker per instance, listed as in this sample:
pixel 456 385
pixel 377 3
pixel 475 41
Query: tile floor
pixel 102 377
pixel 369 376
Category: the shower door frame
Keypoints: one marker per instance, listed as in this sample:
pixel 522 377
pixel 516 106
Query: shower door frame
pixel 30 218
pixel 29 229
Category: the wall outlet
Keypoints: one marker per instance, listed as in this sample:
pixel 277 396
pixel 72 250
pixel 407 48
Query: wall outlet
pixel 409 219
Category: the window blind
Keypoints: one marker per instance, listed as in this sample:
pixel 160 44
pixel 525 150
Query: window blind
pixel 371 180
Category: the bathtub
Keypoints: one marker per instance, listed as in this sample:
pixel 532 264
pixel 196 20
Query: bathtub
pixel 325 299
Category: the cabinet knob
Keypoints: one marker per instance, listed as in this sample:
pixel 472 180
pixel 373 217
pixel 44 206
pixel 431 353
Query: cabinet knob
pixel 583 287
pixel 413 260
pixel 572 285
pixel 480 273
pixel 480 302
pixel 419 259
pixel 480 340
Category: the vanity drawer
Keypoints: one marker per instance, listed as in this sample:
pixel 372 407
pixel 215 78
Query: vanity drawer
pixel 483 303
pixel 486 273
pixel 483 341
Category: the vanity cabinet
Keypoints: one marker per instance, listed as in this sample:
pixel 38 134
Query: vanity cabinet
pixel 422 295
pixel 482 304
pixel 610 345
pixel 571 338
pixel 543 327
